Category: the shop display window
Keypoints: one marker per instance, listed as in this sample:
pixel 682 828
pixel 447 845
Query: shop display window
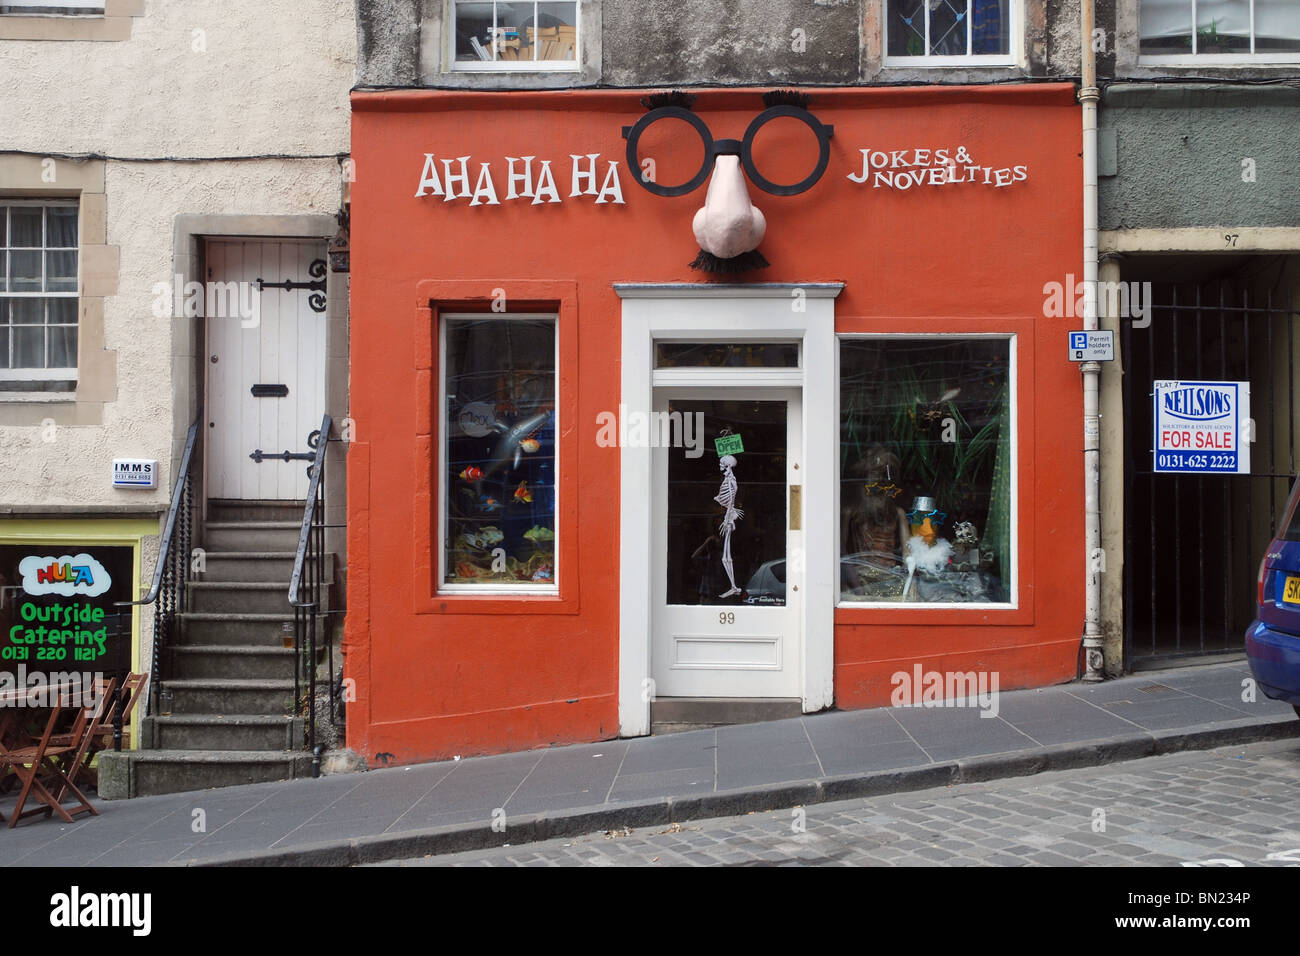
pixel 926 459
pixel 531 35
pixel 498 475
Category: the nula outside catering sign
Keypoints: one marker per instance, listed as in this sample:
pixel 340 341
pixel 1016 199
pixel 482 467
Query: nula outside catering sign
pixel 1202 427
pixel 58 610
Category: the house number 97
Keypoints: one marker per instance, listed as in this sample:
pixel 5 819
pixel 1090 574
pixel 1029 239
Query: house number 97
pixel 726 617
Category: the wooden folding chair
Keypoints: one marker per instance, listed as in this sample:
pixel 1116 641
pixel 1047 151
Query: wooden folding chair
pixel 101 736
pixel 96 717
pixel 35 766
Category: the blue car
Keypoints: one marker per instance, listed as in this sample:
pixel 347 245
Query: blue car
pixel 1273 639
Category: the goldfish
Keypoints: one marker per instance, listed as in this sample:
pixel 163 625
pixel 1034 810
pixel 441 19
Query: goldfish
pixel 530 445
pixel 522 493
pixel 472 473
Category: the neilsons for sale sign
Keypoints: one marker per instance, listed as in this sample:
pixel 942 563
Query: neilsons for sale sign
pixel 1202 427
pixel 59 626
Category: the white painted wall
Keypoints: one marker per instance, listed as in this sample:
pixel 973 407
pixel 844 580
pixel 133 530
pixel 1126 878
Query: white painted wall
pixel 274 79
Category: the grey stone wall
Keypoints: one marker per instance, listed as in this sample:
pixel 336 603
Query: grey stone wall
pixel 388 42
pixel 1180 150
pixel 710 42
pixel 657 43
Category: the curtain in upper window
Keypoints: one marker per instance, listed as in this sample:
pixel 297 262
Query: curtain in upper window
pixel 1208 27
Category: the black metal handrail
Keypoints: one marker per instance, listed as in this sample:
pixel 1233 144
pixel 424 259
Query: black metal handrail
pixel 170 576
pixel 305 586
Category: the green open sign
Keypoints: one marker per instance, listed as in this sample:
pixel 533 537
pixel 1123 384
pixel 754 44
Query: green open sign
pixel 729 445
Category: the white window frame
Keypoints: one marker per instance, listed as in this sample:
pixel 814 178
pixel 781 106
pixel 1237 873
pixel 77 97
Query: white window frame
pixel 1012 586
pixel 1204 60
pixel 1015 7
pixel 494 589
pixel 53 8
pixel 41 374
pixel 514 66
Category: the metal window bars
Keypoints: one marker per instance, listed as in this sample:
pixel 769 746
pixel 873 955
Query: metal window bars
pixel 1192 542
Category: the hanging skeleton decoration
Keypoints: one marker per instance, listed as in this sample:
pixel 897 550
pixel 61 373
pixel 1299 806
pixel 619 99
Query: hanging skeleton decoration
pixel 728 228
pixel 727 498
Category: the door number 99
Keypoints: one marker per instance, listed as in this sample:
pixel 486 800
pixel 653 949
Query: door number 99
pixel 726 617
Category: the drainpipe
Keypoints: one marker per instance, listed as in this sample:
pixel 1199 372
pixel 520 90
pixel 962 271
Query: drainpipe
pixel 1094 662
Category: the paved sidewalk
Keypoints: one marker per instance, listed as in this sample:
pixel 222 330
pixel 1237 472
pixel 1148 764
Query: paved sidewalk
pixel 564 791
pixel 1234 804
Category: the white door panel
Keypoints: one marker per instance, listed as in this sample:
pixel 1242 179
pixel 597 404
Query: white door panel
pixel 281 343
pixel 706 643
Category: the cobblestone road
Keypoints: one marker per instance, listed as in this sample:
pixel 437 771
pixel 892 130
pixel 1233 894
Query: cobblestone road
pixel 1239 803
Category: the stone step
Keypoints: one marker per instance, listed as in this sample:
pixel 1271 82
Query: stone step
pixel 255 566
pixel 244 597
pixel 234 661
pixel 251 535
pixel 227 509
pixel 209 695
pixel 216 628
pixel 678 714
pixel 140 773
pixel 223 732
pixel 247 597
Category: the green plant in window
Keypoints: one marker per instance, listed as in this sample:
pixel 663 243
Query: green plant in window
pixel 945 419
pixel 1207 39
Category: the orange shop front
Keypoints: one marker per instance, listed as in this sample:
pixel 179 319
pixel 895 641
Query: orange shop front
pixel 736 396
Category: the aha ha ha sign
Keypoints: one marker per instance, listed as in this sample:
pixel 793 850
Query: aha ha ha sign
pixel 904 169
pixel 523 180
pixel 532 180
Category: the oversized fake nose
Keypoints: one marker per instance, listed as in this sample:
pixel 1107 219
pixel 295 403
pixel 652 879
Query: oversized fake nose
pixel 728 228
pixel 728 225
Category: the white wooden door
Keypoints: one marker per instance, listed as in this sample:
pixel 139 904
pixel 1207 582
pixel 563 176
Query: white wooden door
pixel 279 345
pixel 707 642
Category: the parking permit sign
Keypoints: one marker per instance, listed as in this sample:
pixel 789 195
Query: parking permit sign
pixel 1095 346
pixel 1199 427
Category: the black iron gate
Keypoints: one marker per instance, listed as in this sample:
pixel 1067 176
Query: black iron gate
pixel 1193 543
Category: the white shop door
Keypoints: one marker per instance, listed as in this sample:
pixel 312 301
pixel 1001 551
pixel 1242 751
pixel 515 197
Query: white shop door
pixel 707 642
pixel 265 370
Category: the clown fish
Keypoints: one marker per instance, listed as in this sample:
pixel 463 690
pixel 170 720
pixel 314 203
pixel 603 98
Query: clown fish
pixel 472 473
pixel 523 494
